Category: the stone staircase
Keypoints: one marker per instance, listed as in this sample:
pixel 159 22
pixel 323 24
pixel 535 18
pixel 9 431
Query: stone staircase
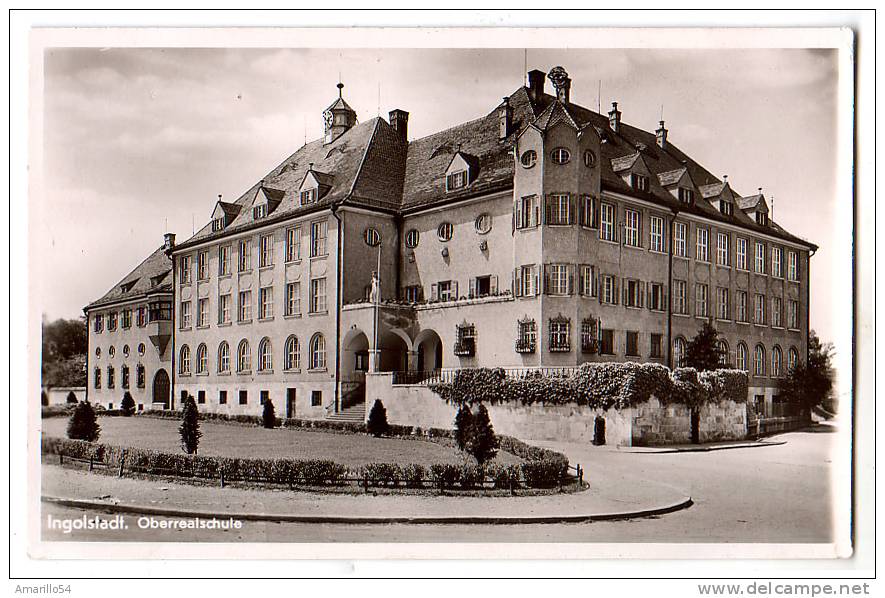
pixel 353 413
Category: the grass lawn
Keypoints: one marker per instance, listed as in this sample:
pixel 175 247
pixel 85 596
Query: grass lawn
pixel 232 440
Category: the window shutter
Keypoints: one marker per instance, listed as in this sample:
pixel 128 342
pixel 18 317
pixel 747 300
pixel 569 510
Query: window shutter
pixel 581 281
pixel 624 288
pixel 615 293
pixel 641 294
pixel 582 210
pixel 420 292
pixel 594 284
pixel 537 280
pixel 546 279
pixel 536 213
pixel 455 289
pixel 664 303
pixel 472 288
pixel 517 283
pixel 493 285
pixel 571 279
pixel 434 292
pixel 571 209
pixel 513 217
pixel 599 289
pixel 650 299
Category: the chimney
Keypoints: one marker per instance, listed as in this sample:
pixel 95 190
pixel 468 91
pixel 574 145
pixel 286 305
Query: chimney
pixel 614 117
pixel 662 136
pixel 561 83
pixel 536 85
pixel 399 120
pixel 505 118
pixel 168 241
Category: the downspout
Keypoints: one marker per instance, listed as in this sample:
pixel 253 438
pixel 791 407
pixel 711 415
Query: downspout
pixel 88 353
pixel 398 222
pixel 172 374
pixel 670 290
pixel 808 302
pixel 334 208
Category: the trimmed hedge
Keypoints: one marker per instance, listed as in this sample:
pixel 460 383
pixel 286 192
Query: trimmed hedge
pixel 597 385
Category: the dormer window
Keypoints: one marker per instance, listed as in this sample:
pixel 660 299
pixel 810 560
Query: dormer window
pixel 639 182
pixel 259 211
pixel 726 207
pixel 762 218
pixel 456 180
pixel 217 224
pixel 686 195
pixel 308 196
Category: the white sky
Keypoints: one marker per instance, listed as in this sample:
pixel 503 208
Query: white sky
pixel 139 141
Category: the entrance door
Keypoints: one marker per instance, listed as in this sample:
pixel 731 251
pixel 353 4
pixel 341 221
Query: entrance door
pixel 161 388
pixel 290 403
pixel 599 431
pixel 695 426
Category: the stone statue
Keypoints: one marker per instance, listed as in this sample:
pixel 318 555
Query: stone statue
pixel 375 293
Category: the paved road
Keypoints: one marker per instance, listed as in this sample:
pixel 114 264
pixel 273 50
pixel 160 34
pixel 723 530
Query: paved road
pixel 769 494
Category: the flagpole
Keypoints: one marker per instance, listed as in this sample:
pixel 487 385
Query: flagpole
pixel 376 356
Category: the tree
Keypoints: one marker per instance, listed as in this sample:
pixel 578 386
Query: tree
pixel 463 426
pixel 83 424
pixel 65 343
pixel 269 415
pixel 483 443
pixel 190 426
pixel 810 383
pixel 704 352
pixel 377 424
pixel 127 405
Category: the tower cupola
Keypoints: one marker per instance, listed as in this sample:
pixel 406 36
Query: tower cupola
pixel 338 118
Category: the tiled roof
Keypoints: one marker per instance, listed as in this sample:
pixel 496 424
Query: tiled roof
pixel 671 177
pixel 230 209
pixel 712 190
pixel 749 202
pixel 323 178
pixel 624 162
pixel 153 275
pixel 340 104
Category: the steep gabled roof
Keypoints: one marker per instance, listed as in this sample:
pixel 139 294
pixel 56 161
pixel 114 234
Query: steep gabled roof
pixel 153 275
pixel 671 177
pixel 555 113
pixel 751 201
pixel 711 190
pixel 623 163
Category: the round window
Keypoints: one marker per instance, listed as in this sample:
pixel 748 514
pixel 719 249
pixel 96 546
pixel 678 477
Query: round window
pixel 412 238
pixel 98 352
pixel 483 223
pixel 444 231
pixel 141 348
pixel 373 237
pixel 589 159
pixel 528 159
pixel 111 351
pixel 561 155
pixel 125 350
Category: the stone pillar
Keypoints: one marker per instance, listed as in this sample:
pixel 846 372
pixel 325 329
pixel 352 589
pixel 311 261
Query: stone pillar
pixel 412 357
pixel 374 361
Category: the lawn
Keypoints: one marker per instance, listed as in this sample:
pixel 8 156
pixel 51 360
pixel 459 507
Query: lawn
pixel 231 440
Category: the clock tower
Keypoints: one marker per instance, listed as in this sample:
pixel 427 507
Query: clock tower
pixel 338 118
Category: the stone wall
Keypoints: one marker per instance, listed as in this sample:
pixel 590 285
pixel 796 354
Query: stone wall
pixel 724 421
pixel 657 424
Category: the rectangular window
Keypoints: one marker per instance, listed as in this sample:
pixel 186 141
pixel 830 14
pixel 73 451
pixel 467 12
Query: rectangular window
pixel 741 254
pixel 245 311
pixel 316 398
pixel 656 234
pixel 203 312
pixel 588 281
pixel 741 299
pixel 759 309
pixel 760 258
pixel 680 243
pixel 558 279
pixel 265 256
pixel 293 298
pixel 777 309
pixel 793 266
pixel 259 211
pixel 412 293
pixel 224 260
pixel 141 317
pixel 633 291
pixel 560 336
pixel 526 281
pixel 456 180
pixel 203 265
pixel 703 248
pixel 224 309
pixel 656 296
pixel 589 335
pixel 446 290
pixel 526 336
pixel 607 342
pixel 700 300
pixel 184 270
pixel 318 232
pixel 527 212
pixel 222 397
pixel 293 244
pixel 777 262
pixel 317 295
pixel 185 314
pixel 112 321
pixel 609 292
pixel 722 254
pixel 632 348
pixel 726 207
pixel 245 256
pixel 793 315
pixel 722 307
pixel 679 297
pixel 263 396
pixel 265 303
pixel 559 209
pixel 607 223
pixel 686 195
pixel 639 182
pixel 631 231
pixel 201 396
pixel 656 348
pixel 244 397
pixel 589 213
pixel 308 196
pixel 126 319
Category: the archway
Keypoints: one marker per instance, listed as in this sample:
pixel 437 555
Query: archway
pixel 161 388
pixel 394 345
pixel 354 365
pixel 430 351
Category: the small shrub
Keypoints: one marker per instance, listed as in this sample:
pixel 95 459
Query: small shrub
pixel 383 474
pixel 482 443
pixel 505 476
pixel 544 473
pixel 463 426
pixel 414 475
pixel 268 416
pixel 377 425
pixel 190 426
pixel 470 476
pixel 127 405
pixel 445 474
pixel 83 424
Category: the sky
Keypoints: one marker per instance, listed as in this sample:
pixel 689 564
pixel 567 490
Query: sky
pixel 140 141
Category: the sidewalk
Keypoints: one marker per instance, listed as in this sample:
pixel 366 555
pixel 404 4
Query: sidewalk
pixel 700 448
pixel 607 498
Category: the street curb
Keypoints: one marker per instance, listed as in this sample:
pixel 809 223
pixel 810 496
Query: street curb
pixel 699 449
pixel 684 503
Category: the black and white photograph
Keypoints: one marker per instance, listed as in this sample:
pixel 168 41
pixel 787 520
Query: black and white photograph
pixel 336 294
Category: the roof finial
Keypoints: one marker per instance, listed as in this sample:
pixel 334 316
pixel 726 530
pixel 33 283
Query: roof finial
pixel 219 197
pixel 310 166
pixel 340 87
pixel 724 178
pixel 760 190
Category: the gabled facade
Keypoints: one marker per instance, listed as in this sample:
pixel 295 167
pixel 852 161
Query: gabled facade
pixel 543 234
